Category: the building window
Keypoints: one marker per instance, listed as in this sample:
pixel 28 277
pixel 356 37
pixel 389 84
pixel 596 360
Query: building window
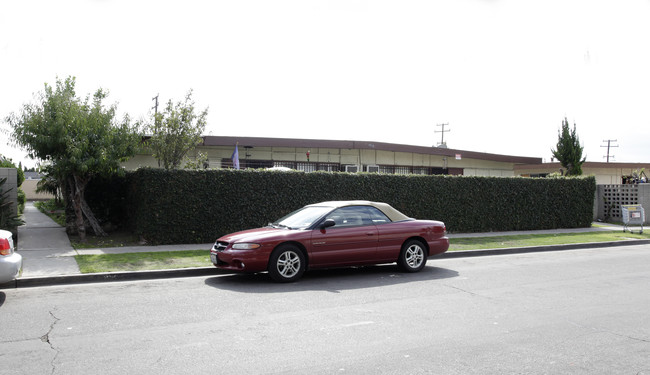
pixel 334 167
pixel 284 164
pixel 306 167
pixel 329 167
pixel 402 170
pixel 247 164
pixel 420 170
pixel 389 169
pixel 227 163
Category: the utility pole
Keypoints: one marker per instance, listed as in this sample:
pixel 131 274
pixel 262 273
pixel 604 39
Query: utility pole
pixel 155 107
pixel 609 145
pixel 443 131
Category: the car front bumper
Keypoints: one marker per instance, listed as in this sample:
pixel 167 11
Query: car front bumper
pixel 240 260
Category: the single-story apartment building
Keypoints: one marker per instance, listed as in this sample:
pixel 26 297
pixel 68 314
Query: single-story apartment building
pixel 605 173
pixel 363 156
pixel 352 156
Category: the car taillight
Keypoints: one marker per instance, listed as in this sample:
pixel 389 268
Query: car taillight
pixel 5 247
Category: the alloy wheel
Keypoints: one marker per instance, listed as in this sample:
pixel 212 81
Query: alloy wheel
pixel 288 264
pixel 414 256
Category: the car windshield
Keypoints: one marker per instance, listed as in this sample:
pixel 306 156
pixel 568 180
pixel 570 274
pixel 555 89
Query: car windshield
pixel 303 218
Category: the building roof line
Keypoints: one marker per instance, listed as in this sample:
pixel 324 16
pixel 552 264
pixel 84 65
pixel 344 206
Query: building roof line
pixel 587 164
pixel 362 145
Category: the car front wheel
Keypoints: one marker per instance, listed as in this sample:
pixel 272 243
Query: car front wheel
pixel 413 256
pixel 287 264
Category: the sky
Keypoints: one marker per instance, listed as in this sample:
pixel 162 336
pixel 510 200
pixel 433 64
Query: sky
pixel 502 74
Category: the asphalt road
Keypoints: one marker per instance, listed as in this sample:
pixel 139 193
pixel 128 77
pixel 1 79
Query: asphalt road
pixel 577 312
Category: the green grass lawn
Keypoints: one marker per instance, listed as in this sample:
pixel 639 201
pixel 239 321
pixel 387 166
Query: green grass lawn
pixel 481 243
pixel 143 261
pixel 201 258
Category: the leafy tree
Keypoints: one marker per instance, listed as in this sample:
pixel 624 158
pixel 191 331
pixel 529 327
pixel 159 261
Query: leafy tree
pixel 78 139
pixel 201 161
pixel 50 185
pixel 568 150
pixel 8 163
pixel 176 131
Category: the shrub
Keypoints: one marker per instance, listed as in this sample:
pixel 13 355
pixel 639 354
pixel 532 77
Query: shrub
pixel 22 199
pixel 8 219
pixel 194 206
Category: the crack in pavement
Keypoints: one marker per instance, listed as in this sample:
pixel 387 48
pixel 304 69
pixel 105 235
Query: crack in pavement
pixel 595 330
pixel 46 339
pixel 627 337
pixel 467 291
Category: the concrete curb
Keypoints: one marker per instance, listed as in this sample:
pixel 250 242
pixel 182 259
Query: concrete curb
pixel 27 282
pixel 207 271
pixel 539 249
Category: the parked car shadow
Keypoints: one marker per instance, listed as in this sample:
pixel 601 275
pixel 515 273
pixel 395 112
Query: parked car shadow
pixel 3 296
pixel 333 280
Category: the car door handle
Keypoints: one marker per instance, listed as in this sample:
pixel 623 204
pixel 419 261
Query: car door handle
pixel 370 233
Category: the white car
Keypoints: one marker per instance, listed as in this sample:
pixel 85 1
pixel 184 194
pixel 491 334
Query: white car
pixel 11 263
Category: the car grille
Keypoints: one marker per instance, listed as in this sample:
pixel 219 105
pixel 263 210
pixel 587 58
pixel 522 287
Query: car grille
pixel 220 246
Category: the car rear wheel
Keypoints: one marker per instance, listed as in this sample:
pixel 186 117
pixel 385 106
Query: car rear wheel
pixel 287 264
pixel 413 256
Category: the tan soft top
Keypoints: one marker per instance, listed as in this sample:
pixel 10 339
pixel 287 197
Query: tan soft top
pixel 387 209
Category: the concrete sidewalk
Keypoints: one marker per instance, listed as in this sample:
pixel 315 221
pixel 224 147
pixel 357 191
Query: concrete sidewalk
pixel 47 251
pixel 48 256
pixel 44 245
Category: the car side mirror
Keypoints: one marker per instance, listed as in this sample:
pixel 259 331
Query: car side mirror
pixel 328 223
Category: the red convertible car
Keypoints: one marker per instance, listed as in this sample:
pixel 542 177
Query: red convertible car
pixel 332 234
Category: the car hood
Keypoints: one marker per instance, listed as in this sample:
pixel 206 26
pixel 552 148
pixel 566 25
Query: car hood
pixel 257 235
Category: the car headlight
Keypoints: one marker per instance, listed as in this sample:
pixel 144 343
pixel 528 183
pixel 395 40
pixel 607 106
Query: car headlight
pixel 246 246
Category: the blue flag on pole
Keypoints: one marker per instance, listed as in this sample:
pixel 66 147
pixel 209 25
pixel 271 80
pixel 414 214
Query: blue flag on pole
pixel 235 158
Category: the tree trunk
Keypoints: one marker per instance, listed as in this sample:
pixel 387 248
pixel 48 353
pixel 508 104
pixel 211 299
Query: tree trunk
pixel 82 210
pixel 70 218
pixel 77 193
pixel 92 220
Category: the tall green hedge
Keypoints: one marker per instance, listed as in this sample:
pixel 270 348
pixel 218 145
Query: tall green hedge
pixel 183 206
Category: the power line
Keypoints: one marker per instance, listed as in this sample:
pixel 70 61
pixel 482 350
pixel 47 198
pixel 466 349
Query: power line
pixel 609 145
